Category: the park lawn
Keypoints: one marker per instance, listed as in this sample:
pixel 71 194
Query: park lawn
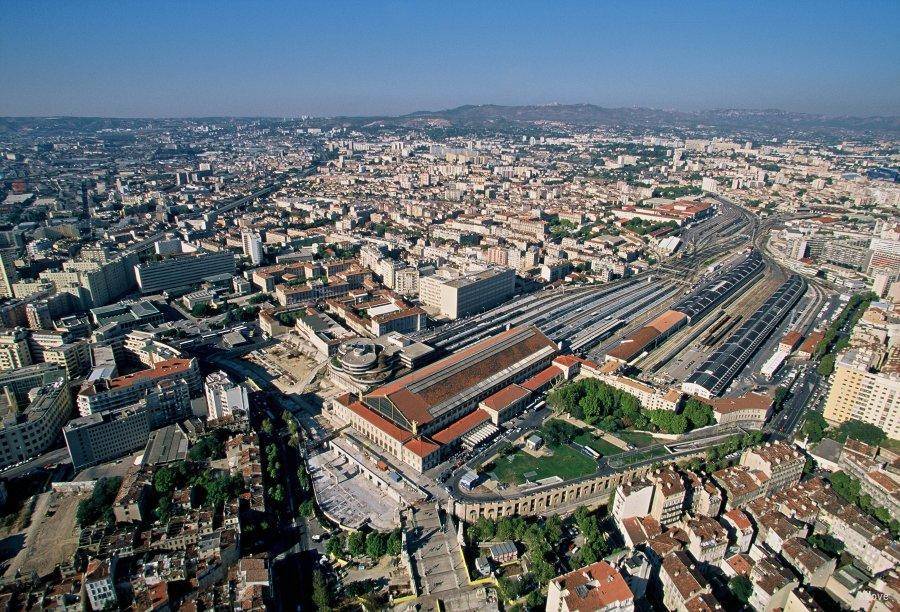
pixel 598 444
pixel 566 463
pixel 638 438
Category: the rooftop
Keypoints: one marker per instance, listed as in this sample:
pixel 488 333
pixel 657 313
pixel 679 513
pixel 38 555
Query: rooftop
pixel 431 391
pixel 594 587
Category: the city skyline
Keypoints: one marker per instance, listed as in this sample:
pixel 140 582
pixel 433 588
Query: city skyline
pixel 284 59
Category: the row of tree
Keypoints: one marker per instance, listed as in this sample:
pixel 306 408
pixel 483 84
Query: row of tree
pixel 611 409
pixel 374 544
pixel 815 428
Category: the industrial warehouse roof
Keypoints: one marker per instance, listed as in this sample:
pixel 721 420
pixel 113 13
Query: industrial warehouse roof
pixel 431 391
pixel 714 292
pixel 724 364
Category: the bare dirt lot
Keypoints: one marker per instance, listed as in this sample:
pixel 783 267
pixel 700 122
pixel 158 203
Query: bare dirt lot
pixel 52 536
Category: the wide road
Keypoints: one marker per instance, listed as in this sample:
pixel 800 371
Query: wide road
pixel 53 457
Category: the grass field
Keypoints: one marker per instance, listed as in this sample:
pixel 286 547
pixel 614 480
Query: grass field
pixel 598 444
pixel 566 463
pixel 637 438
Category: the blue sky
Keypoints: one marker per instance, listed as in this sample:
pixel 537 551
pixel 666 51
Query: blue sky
pixel 190 58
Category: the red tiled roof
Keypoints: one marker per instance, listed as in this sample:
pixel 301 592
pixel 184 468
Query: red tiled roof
pixel 739 519
pixel 567 360
pixel 632 346
pixel 749 401
pixel 506 396
pixel 741 563
pixel 667 320
pixel 812 340
pixel 486 360
pixel 168 367
pixel 792 338
pixel 420 447
pixel 397 433
pixel 604 586
pixel 542 378
pixel 461 427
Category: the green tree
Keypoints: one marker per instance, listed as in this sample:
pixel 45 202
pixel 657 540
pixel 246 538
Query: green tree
pixel 553 529
pixel 267 427
pixel 814 426
pixel 303 479
pixel 376 545
pixel 482 530
pixel 394 543
pixel 858 430
pixel 510 528
pixel 826 365
pixel 668 422
pixel 741 588
pixel 99 505
pixel 206 448
pixel 698 414
pixel 164 481
pixel 827 544
pixel 335 545
pixel 356 544
pixel 306 508
pixel 321 596
pixel 276 493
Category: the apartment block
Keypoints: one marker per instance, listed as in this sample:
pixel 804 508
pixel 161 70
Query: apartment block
pixel 98 438
pixel 457 297
pixel 866 387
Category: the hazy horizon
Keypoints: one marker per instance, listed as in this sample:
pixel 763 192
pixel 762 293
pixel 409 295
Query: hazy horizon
pixel 280 59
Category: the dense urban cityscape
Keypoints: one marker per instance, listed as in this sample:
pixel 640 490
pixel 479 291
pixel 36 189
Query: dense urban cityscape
pixel 333 363
pixel 450 306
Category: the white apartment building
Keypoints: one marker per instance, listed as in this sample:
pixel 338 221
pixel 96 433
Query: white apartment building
pixel 253 246
pixel 632 499
pixel 223 397
pixel 14 349
pixel 457 297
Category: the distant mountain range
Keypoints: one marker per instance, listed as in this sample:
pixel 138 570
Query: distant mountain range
pixel 751 124
pixel 775 123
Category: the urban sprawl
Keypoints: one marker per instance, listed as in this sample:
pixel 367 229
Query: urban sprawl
pixel 313 364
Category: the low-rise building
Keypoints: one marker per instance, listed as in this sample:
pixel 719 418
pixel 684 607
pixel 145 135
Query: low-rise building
pixel 814 568
pixel 707 539
pixel 681 581
pixel 100 584
pixel 779 461
pixel 772 584
pixel 594 588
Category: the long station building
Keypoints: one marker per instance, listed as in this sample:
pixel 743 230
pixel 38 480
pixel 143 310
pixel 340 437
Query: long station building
pixel 728 360
pixel 418 418
pixel 688 310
